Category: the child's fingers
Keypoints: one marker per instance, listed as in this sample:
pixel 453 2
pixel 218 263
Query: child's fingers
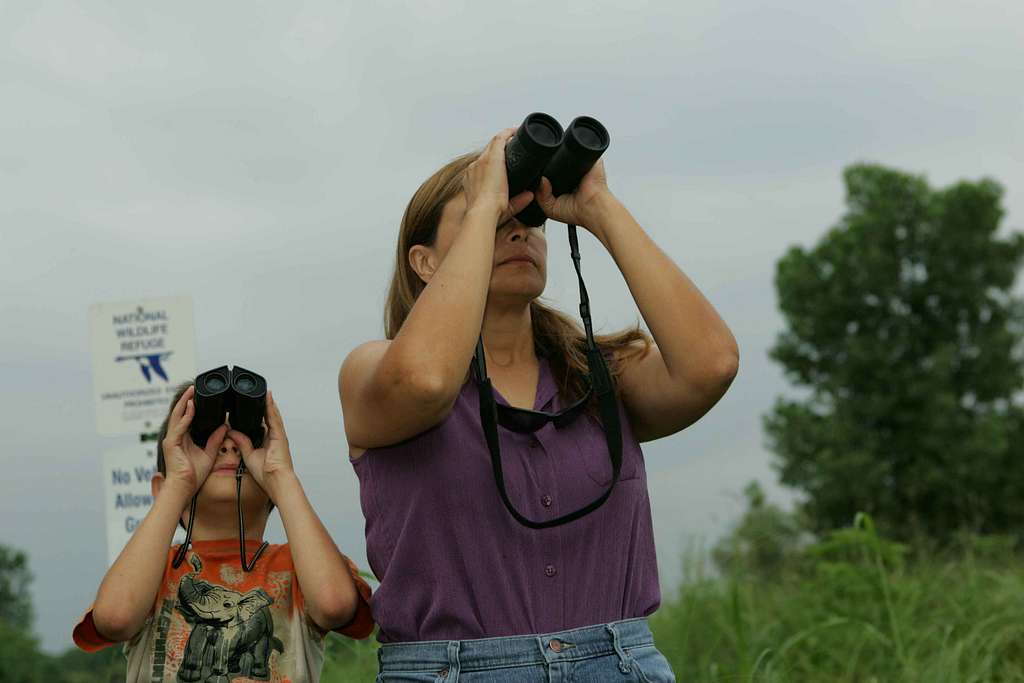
pixel 213 443
pixel 275 423
pixel 182 411
pixel 187 442
pixel 243 442
pixel 186 420
pixel 179 407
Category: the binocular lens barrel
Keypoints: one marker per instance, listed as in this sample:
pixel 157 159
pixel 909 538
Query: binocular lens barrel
pixel 250 404
pixel 527 152
pixel 584 143
pixel 581 146
pixel 212 400
pixel 223 391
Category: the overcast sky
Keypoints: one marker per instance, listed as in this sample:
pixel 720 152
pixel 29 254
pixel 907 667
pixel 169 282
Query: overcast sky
pixel 257 157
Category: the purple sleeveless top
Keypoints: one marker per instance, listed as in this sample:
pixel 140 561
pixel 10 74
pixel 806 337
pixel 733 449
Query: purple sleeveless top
pixel 452 562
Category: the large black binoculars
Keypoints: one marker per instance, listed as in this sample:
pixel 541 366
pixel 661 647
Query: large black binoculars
pixel 223 391
pixel 540 148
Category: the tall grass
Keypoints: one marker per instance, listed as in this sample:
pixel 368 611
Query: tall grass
pixel 855 608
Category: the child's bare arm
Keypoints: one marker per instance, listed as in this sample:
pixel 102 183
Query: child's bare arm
pixel 328 588
pixel 129 589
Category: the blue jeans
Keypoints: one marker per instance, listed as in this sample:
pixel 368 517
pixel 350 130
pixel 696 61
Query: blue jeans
pixel 622 651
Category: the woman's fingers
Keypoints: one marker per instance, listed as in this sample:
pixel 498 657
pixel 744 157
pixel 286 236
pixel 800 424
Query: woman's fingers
pixel 520 202
pixel 553 207
pixel 500 139
pixel 544 195
pixel 493 158
pixel 515 205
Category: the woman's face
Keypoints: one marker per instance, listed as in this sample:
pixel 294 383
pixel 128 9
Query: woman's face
pixel 520 254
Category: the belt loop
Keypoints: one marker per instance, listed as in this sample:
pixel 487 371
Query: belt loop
pixel 624 665
pixel 453 659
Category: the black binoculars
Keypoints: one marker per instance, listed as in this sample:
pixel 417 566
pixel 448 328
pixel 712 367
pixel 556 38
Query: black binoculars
pixel 235 391
pixel 220 392
pixel 540 148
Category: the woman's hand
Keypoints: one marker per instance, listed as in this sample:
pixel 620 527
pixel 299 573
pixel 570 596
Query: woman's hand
pixel 185 463
pixel 586 207
pixel 272 462
pixel 485 182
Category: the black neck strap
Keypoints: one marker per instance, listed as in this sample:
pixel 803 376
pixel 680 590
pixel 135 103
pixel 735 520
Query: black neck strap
pixel 247 566
pixel 603 387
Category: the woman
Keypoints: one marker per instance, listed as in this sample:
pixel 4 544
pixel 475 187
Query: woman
pixel 467 592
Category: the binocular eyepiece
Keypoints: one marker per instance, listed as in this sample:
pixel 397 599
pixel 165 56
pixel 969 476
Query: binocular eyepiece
pixel 221 391
pixel 541 148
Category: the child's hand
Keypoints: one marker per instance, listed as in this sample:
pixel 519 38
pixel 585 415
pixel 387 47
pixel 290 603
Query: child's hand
pixel 272 462
pixel 187 464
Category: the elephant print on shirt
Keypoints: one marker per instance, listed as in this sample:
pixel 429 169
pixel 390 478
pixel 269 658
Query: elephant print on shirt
pixel 232 633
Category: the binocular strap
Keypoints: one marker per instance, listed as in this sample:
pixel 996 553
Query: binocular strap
pixel 247 566
pixel 603 387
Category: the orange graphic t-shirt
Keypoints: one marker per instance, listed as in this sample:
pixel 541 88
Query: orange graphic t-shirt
pixel 214 622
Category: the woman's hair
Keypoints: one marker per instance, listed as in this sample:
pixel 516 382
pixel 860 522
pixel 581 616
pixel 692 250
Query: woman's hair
pixel 555 335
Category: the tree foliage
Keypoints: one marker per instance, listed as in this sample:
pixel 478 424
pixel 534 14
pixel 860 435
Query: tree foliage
pixel 15 578
pixel 21 659
pixel 904 335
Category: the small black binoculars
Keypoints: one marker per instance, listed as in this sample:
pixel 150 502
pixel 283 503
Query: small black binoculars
pixel 223 391
pixel 540 148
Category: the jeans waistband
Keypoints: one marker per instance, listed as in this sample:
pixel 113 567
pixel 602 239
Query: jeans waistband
pixel 543 648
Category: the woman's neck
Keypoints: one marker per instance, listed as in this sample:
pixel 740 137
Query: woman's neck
pixel 508 335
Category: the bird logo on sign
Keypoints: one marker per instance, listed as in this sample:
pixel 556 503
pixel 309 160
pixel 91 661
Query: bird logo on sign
pixel 150 364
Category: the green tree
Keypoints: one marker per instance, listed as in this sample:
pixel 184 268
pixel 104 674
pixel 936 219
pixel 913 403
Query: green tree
pixel 15 601
pixel 903 333
pixel 21 660
pixel 106 666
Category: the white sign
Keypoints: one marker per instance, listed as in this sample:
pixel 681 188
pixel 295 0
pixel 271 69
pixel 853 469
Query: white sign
pixel 141 351
pixel 127 473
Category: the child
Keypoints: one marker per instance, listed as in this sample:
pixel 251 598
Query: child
pixel 207 619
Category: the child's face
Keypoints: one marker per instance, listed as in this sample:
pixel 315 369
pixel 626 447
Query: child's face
pixel 220 485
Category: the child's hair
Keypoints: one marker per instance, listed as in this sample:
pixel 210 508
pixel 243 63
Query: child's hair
pixel 161 465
